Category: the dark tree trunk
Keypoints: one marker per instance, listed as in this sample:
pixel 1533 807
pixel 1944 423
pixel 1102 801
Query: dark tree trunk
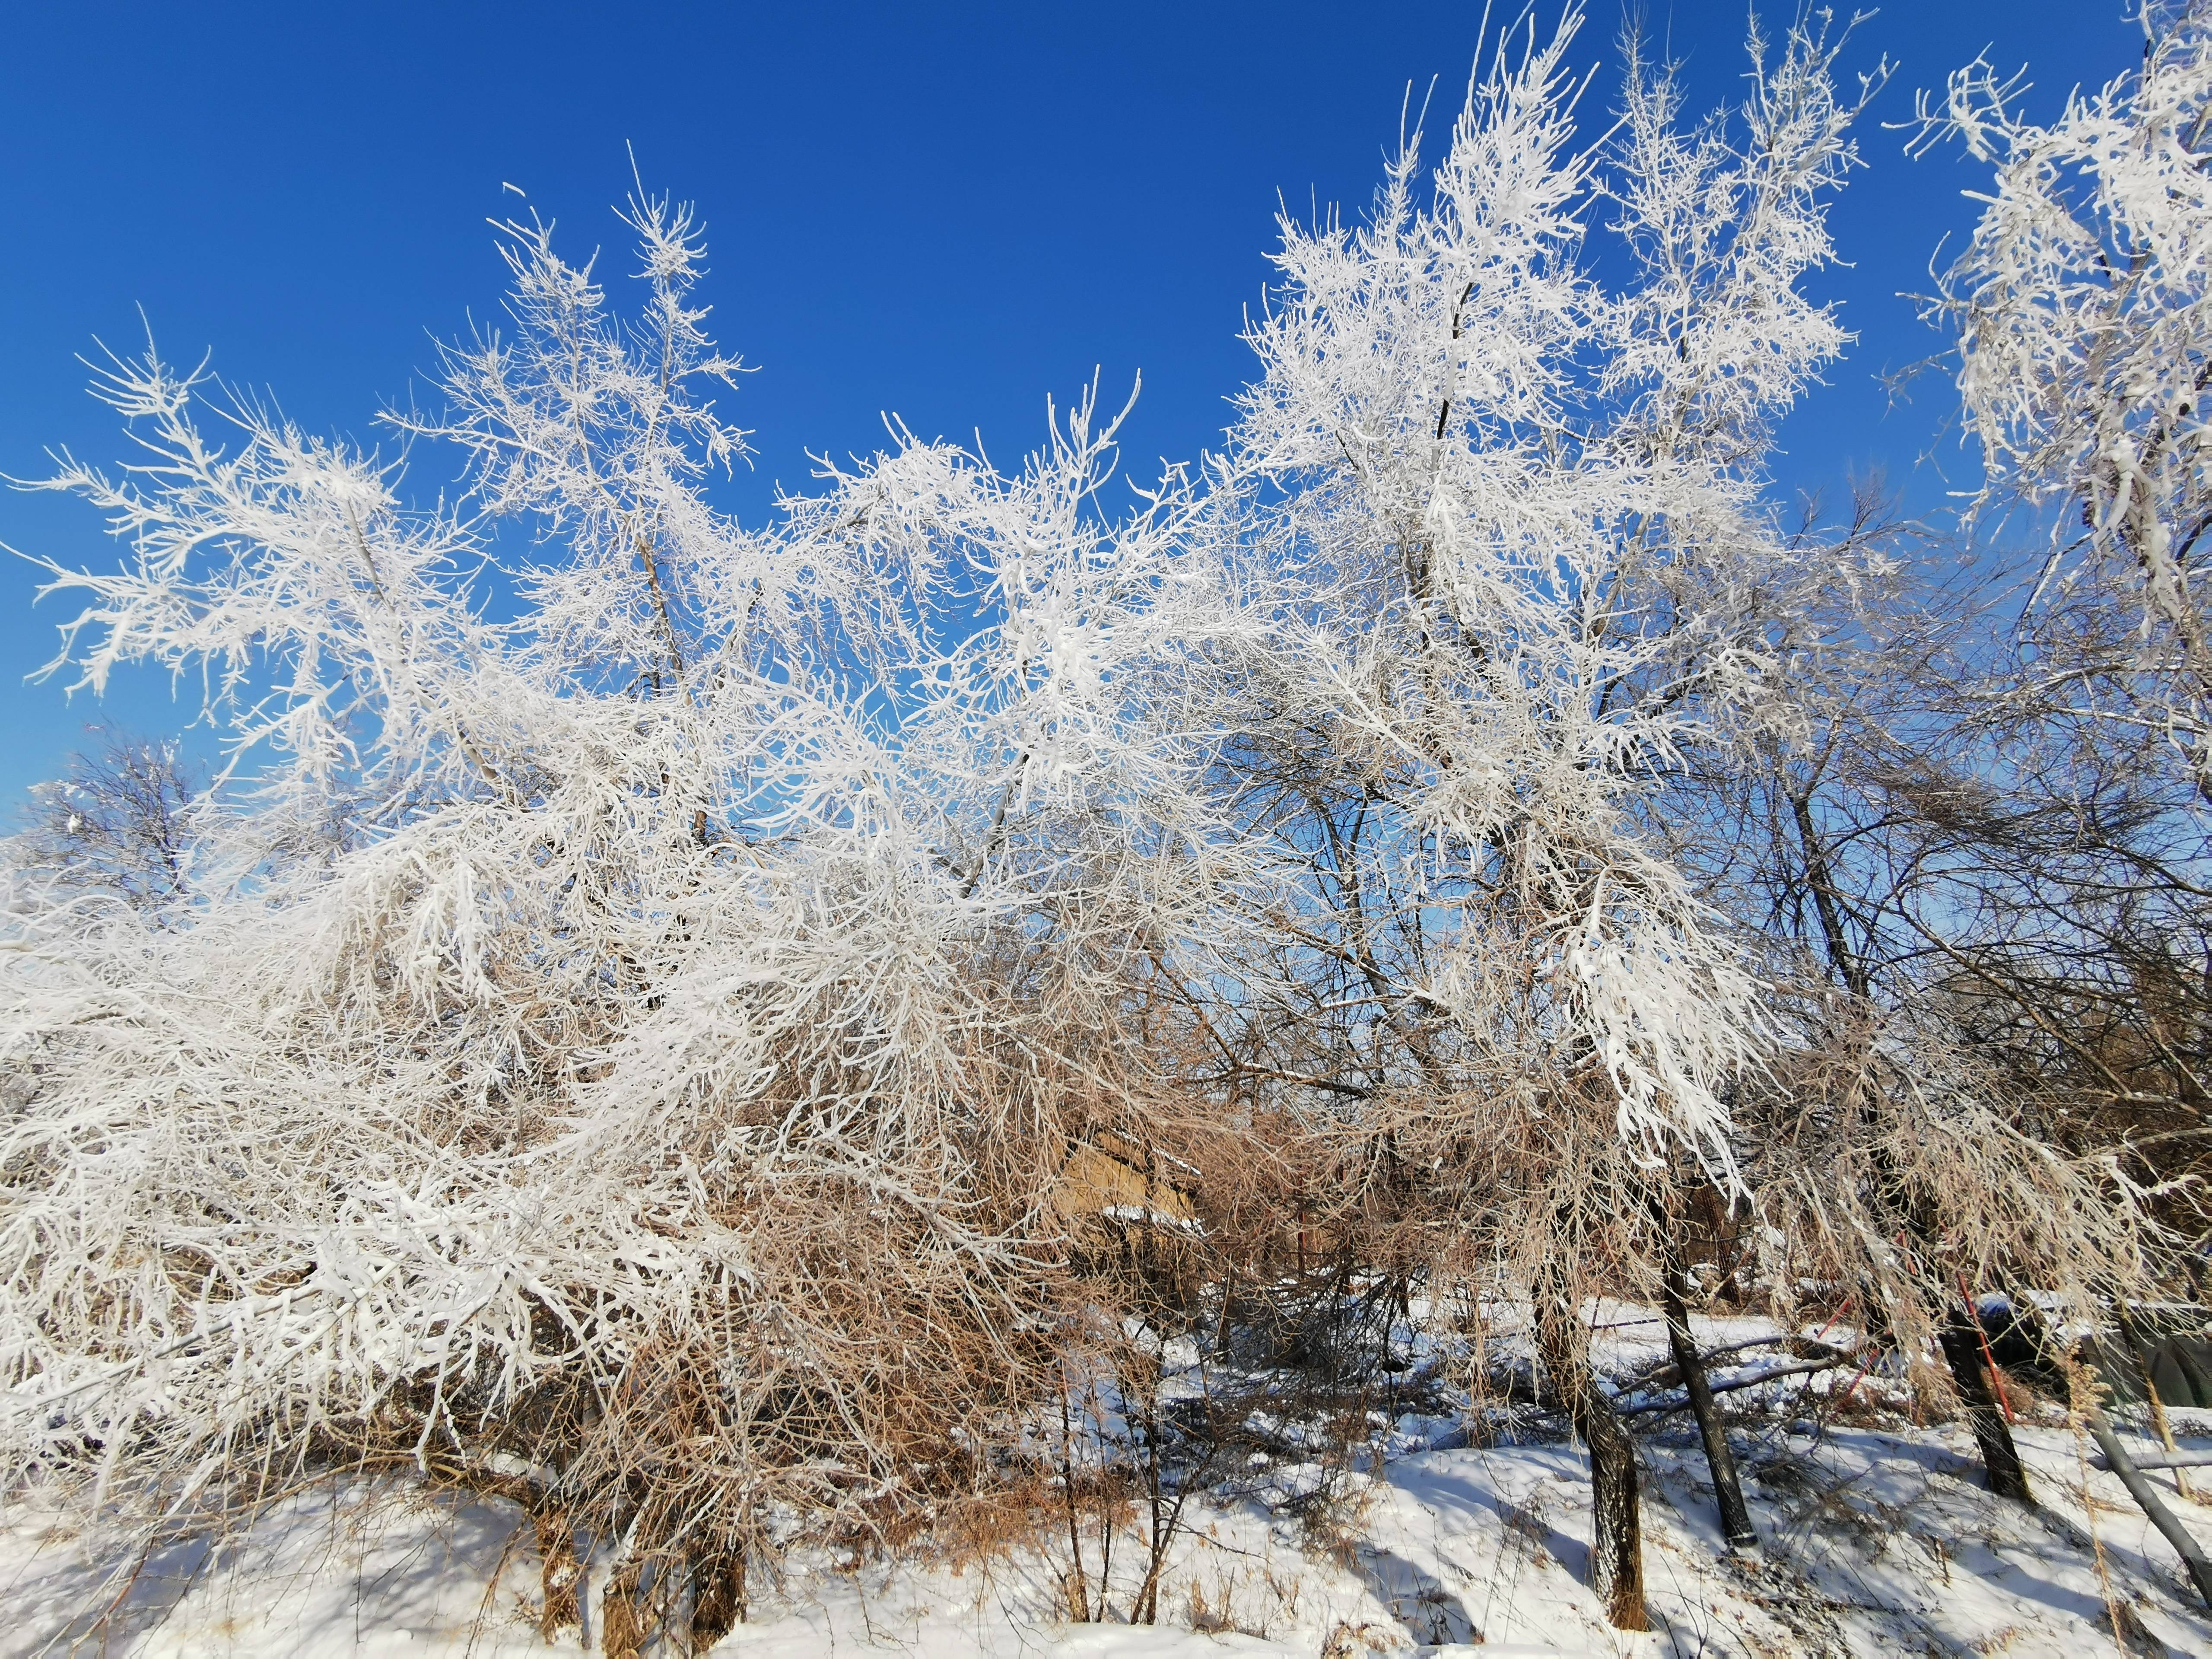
pixel 1078 1590
pixel 1961 1341
pixel 1617 1540
pixel 1728 1489
pixel 1616 1571
pixel 718 1597
pixel 1966 1352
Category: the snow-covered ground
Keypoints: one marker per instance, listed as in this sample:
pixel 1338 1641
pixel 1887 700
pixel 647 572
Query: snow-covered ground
pixel 1876 1543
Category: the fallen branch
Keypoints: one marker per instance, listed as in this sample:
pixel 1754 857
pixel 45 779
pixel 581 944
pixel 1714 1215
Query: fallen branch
pixel 2181 1459
pixel 1803 1369
pixel 1780 1338
pixel 2148 1500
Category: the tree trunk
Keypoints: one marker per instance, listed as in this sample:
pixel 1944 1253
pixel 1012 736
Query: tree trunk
pixel 1078 1590
pixel 623 1626
pixel 1617 1540
pixel 718 1596
pixel 561 1576
pixel 1966 1352
pixel 1728 1489
pixel 1616 1571
pixel 1960 1339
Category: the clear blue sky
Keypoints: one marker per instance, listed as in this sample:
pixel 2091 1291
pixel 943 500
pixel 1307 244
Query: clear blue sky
pixel 946 212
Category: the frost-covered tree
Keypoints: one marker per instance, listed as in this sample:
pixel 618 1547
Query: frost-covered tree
pixel 1958 838
pixel 116 824
pixel 643 975
pixel 2060 814
pixel 1503 481
pixel 2084 325
pixel 645 1093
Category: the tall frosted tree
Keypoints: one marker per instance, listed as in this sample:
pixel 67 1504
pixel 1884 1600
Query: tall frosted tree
pixel 1503 479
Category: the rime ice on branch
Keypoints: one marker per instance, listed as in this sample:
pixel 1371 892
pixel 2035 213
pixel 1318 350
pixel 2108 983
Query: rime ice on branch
pixel 651 1015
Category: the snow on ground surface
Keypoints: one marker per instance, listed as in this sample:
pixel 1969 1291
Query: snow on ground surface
pixel 1879 1540
pixel 1877 1543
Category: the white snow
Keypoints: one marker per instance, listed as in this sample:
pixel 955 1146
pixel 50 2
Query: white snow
pixel 1876 1543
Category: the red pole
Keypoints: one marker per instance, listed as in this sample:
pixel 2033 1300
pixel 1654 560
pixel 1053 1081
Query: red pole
pixel 1996 1376
pixel 1872 1356
pixel 1833 1317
